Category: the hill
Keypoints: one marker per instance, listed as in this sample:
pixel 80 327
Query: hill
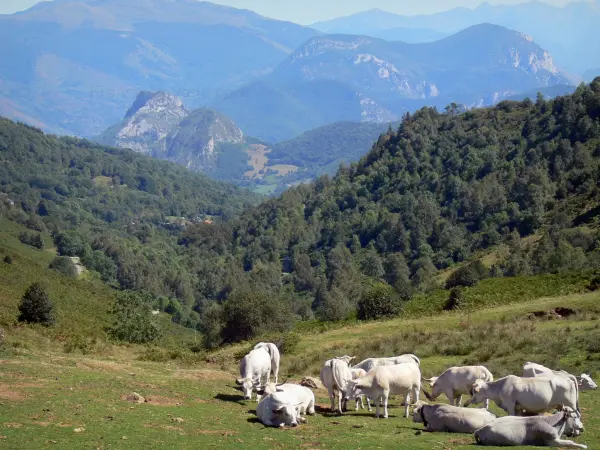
pixel 120 212
pixel 564 31
pixel 441 189
pixel 355 78
pixel 77 65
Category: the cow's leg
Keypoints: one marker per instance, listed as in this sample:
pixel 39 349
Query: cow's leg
pixel 311 408
pixel 340 402
pixel 415 394
pixel 269 375
pixel 332 399
pixel 377 406
pixel 450 394
pixel 386 396
pixel 565 443
pixel 369 404
pixel 511 409
pixel 459 400
pixel 407 400
pixel 275 371
pixel 487 404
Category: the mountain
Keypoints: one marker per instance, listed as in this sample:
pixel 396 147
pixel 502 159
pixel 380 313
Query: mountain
pixel 76 65
pixel 159 125
pixel 357 78
pixel 564 31
pixel 441 189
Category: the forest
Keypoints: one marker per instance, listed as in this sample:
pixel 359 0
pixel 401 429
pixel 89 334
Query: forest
pixel 440 190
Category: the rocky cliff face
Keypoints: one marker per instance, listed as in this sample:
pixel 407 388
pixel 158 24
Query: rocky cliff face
pixel 158 124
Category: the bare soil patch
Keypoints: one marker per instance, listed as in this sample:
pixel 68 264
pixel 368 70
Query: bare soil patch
pixel 205 375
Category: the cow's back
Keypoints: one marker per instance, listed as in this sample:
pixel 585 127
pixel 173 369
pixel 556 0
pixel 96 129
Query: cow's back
pixel 397 378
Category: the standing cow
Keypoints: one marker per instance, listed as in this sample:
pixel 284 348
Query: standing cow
pixel 456 382
pixel 371 363
pixel 255 369
pixel 274 354
pixel 584 381
pixel 334 376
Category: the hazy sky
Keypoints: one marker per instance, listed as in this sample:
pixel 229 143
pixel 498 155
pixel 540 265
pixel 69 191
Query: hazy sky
pixel 308 11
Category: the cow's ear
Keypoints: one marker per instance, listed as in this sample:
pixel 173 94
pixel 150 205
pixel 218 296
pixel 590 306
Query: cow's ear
pixel 239 381
pixel 476 389
pixel 277 410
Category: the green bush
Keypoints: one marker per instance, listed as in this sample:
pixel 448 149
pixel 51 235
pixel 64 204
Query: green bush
pixel 379 302
pixel 64 265
pixel 133 319
pixel 32 239
pixel 8 259
pixel 455 299
pixel 36 307
pixel 468 275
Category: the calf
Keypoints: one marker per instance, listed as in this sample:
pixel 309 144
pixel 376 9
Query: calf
pixel 456 382
pixel 279 409
pixel 255 369
pixel 383 381
pixel 303 395
pixel 451 419
pixel 539 430
pixel 536 395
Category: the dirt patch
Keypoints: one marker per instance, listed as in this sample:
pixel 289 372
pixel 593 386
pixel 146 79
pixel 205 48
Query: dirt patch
pixel 11 395
pixel 12 425
pixel 163 401
pixel 463 441
pixel 217 432
pixel 106 366
pixel 204 375
pixel 258 160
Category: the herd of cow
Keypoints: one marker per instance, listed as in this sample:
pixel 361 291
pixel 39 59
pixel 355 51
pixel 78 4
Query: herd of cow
pixel 525 398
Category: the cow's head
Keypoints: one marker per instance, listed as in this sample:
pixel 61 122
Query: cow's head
pixel 347 359
pixel 478 392
pixel 431 380
pixel 353 390
pixel 269 388
pixel 573 426
pixel 417 416
pixel 286 415
pixel 586 383
pixel 247 385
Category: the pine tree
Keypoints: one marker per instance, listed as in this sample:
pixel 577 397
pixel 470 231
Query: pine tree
pixel 36 306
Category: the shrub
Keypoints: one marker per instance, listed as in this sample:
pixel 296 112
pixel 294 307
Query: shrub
pixel 35 306
pixel 379 302
pixel 594 284
pixel 64 265
pixel 8 259
pixel 133 319
pixel 467 275
pixel 455 299
pixel 32 239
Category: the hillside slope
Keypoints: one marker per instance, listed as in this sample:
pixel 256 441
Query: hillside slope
pixel 440 189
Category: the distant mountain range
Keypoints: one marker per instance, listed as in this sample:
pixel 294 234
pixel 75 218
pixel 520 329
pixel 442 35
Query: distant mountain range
pixel 74 66
pixel 567 32
pixel 336 78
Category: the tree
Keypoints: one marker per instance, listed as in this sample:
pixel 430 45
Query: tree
pixel 379 302
pixel 133 319
pixel 36 307
pixel 455 299
pixel 468 275
pixel 64 265
pixel 211 323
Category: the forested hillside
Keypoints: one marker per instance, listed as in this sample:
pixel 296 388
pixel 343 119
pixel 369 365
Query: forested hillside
pixel 441 188
pixel 119 211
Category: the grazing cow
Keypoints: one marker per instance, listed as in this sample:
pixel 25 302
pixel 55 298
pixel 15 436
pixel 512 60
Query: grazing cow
pixel 538 430
pixel 303 395
pixel 357 373
pixel 371 363
pixel 279 409
pixel 456 382
pixel 334 376
pixel 274 354
pixel 255 369
pixel 514 394
pixel 451 419
pixel 584 381
pixel 383 381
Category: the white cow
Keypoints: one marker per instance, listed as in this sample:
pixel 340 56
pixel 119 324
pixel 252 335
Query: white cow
pixel 334 376
pixel 358 373
pixel 538 430
pixel 279 409
pixel 371 363
pixel 383 381
pixel 255 369
pixel 535 395
pixel 451 419
pixel 303 395
pixel 274 354
pixel 584 381
pixel 456 382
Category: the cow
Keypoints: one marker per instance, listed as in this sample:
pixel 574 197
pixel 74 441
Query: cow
pixel 334 375
pixel 303 396
pixel 255 369
pixel 584 381
pixel 383 381
pixel 371 363
pixel 274 354
pixel 538 430
pixel 279 409
pixel 535 395
pixel 357 373
pixel 456 382
pixel 451 419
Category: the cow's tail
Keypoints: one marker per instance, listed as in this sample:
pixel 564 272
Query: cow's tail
pixel 416 359
pixel 334 365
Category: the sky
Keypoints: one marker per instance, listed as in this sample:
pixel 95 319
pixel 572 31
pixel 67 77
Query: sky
pixel 309 11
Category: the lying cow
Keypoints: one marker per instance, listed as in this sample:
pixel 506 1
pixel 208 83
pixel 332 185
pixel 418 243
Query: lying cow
pixel 303 395
pixel 358 373
pixel 456 382
pixel 255 369
pixel 334 376
pixel 274 354
pixel 279 409
pixel 370 363
pixel 535 395
pixel 383 381
pixel 538 430
pixel 451 419
pixel 584 381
